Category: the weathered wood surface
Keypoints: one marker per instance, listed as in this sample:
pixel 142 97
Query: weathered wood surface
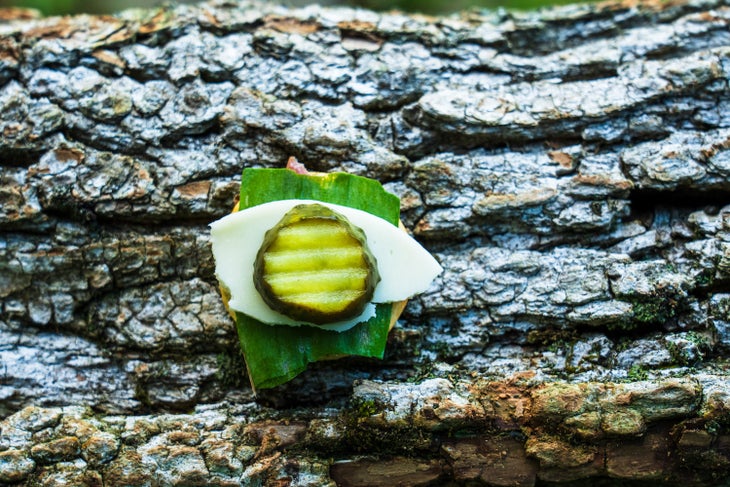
pixel 570 168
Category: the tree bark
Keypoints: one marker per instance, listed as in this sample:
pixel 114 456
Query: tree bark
pixel 570 169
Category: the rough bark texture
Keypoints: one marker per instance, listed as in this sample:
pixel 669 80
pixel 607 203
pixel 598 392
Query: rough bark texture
pixel 570 169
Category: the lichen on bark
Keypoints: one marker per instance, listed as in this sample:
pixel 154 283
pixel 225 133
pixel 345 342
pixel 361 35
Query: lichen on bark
pixel 567 167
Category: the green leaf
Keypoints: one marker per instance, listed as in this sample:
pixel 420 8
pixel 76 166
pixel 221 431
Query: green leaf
pixel 276 354
pixel 260 186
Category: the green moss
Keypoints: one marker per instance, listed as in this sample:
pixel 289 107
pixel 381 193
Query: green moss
pixel 675 351
pixel 648 311
pixel 697 338
pixel 705 278
pixel 658 308
pixel 637 372
pixel 685 354
pixel 366 408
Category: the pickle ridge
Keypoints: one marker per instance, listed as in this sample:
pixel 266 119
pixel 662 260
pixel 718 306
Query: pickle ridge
pixel 284 291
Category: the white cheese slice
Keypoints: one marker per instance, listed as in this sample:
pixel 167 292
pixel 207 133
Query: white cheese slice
pixel 405 267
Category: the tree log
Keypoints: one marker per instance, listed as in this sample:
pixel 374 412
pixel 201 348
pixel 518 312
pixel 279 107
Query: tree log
pixel 570 169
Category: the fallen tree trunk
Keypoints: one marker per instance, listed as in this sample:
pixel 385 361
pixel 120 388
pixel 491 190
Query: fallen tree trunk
pixel 569 168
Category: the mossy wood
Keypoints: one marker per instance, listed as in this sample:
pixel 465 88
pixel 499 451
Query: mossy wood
pixel 567 167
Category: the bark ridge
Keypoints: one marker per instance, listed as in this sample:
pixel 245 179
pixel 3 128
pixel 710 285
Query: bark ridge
pixel 569 168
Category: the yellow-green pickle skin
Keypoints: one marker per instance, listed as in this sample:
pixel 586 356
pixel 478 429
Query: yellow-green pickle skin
pixel 314 266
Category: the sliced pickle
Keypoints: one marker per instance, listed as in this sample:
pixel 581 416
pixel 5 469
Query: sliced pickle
pixel 315 266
